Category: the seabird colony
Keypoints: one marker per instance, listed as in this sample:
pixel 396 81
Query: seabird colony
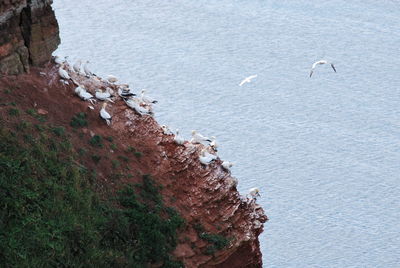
pixel 90 87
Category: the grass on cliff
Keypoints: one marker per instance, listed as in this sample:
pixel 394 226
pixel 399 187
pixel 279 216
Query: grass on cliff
pixel 50 216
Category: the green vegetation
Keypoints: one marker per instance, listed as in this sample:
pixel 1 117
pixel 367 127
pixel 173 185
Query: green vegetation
pixel 50 215
pixel 59 131
pixel 13 112
pixel 113 146
pixel 123 158
pixel 216 241
pixel 79 120
pixel 96 141
pixel 138 154
pixel 96 158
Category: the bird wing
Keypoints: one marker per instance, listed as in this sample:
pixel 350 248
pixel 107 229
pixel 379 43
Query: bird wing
pixel 333 67
pixel 252 76
pixel 244 81
pixel 311 72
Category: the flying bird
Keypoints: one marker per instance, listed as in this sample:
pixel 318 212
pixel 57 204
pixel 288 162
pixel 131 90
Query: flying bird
pixel 321 62
pixel 247 79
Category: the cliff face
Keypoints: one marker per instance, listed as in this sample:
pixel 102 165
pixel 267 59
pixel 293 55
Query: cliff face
pixel 28 34
pixel 222 227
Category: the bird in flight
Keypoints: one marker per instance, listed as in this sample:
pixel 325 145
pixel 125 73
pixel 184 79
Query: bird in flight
pixel 247 79
pixel 320 62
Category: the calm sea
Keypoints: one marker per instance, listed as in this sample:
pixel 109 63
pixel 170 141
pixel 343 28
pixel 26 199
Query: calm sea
pixel 325 151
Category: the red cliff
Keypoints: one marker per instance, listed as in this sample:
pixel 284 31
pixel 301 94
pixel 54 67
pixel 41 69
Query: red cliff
pixel 205 196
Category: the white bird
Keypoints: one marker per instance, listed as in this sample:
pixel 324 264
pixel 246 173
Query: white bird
pixel 63 73
pixel 58 60
pixel 254 193
pixel 227 165
pixel 112 78
pixel 125 92
pixel 134 104
pixel 84 95
pixel 166 130
pixel 321 62
pixel 77 66
pixel 86 70
pixel 179 139
pixel 247 79
pixel 214 144
pixel 147 99
pixel 100 95
pixel 206 158
pixel 198 138
pixel 104 114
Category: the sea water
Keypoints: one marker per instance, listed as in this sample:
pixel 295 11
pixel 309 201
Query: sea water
pixel 324 151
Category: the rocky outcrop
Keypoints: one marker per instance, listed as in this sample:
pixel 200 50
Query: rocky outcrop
pixel 28 34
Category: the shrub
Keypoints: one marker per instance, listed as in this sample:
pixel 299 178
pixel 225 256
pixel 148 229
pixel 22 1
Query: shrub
pixel 13 112
pixel 79 120
pixel 96 141
pixel 59 131
pixel 96 158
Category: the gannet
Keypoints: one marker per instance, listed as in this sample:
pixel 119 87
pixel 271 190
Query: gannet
pixel 206 158
pixel 88 73
pixel 100 95
pixel 247 79
pixel 179 139
pixel 166 130
pixel 214 144
pixel 58 60
pixel 83 94
pixel 112 79
pixel 146 99
pixel 77 66
pixel 198 138
pixel 132 103
pixel 125 92
pixel 254 193
pixel 63 73
pixel 321 62
pixel 227 165
pixel 104 114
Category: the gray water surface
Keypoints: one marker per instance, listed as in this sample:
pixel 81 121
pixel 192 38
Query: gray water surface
pixel 324 151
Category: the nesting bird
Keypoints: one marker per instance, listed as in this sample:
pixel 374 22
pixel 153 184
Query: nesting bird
pixel 103 95
pixel 147 99
pixel 105 115
pixel 135 105
pixel 254 193
pixel 77 66
pixel 320 62
pixel 214 144
pixel 88 73
pixel 178 139
pixel 166 130
pixel 84 95
pixel 112 78
pixel 227 165
pixel 63 73
pixel 198 138
pixel 206 158
pixel 125 92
